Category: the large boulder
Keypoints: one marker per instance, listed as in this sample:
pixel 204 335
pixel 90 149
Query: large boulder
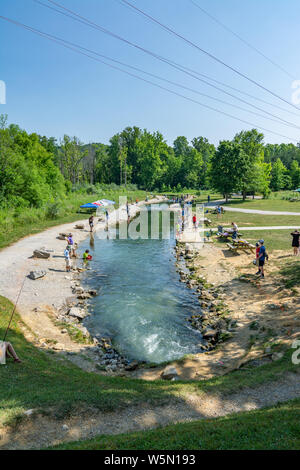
pixel 77 313
pixel 169 373
pixel 43 254
pixel 37 274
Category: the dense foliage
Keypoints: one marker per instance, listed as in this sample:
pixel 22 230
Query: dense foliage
pixel 36 171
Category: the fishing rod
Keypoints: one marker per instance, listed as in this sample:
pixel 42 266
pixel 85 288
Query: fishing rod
pixel 14 309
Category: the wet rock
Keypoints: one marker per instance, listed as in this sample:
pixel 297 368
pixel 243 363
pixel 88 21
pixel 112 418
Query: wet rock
pixel 93 292
pixel 84 295
pixel 169 373
pixel 79 226
pixel 37 275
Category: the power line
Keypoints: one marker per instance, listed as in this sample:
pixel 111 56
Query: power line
pixel 62 43
pixel 191 43
pixel 56 38
pixel 241 39
pixel 71 14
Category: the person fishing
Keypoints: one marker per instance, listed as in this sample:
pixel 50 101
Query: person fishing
pixel 91 223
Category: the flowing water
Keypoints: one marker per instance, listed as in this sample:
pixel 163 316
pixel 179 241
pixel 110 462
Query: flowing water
pixel 141 304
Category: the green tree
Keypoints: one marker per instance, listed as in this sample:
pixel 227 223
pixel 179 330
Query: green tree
pixel 295 174
pixel 228 167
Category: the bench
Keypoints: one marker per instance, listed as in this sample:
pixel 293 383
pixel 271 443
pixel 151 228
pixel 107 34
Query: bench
pixel 232 247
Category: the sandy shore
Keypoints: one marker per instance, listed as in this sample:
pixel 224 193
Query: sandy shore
pixel 50 292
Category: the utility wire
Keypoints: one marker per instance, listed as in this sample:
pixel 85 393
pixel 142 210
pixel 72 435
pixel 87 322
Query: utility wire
pixel 196 4
pixel 183 69
pixel 277 119
pixel 60 42
pixel 200 49
pixel 56 38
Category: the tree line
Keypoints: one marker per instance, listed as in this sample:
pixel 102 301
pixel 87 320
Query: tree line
pixel 35 169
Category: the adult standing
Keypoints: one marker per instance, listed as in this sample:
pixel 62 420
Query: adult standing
pixel 91 223
pixel 296 242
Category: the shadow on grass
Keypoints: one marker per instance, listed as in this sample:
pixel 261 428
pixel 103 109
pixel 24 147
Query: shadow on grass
pixel 50 384
pixel 291 274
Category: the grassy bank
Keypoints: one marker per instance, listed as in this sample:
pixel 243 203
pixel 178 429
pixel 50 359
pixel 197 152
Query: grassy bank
pixel 16 223
pixel 60 388
pixel 270 429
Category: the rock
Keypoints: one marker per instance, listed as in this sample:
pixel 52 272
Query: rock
pixel 277 356
pixel 273 306
pixel 71 301
pixel 37 274
pixel 84 331
pixel 78 290
pixel 210 333
pixel 28 412
pixel 65 427
pixel 169 373
pixel 62 236
pixel 77 313
pixel 58 347
pixel 79 226
pixel 84 295
pixel 93 292
pixel 132 365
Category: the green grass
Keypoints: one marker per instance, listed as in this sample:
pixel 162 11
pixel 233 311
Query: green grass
pixel 272 204
pixel 272 428
pixel 291 274
pixel 48 382
pixel 18 223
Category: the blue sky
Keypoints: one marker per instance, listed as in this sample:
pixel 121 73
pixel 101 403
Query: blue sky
pixel 55 91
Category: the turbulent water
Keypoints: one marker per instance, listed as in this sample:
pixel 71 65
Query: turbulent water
pixel 141 303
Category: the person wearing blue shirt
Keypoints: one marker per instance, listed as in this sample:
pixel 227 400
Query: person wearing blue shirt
pixel 262 257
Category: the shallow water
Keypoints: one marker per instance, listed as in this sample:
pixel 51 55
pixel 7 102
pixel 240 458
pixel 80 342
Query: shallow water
pixel 141 304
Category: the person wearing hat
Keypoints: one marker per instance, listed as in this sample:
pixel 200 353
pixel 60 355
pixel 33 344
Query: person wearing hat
pixel 262 258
